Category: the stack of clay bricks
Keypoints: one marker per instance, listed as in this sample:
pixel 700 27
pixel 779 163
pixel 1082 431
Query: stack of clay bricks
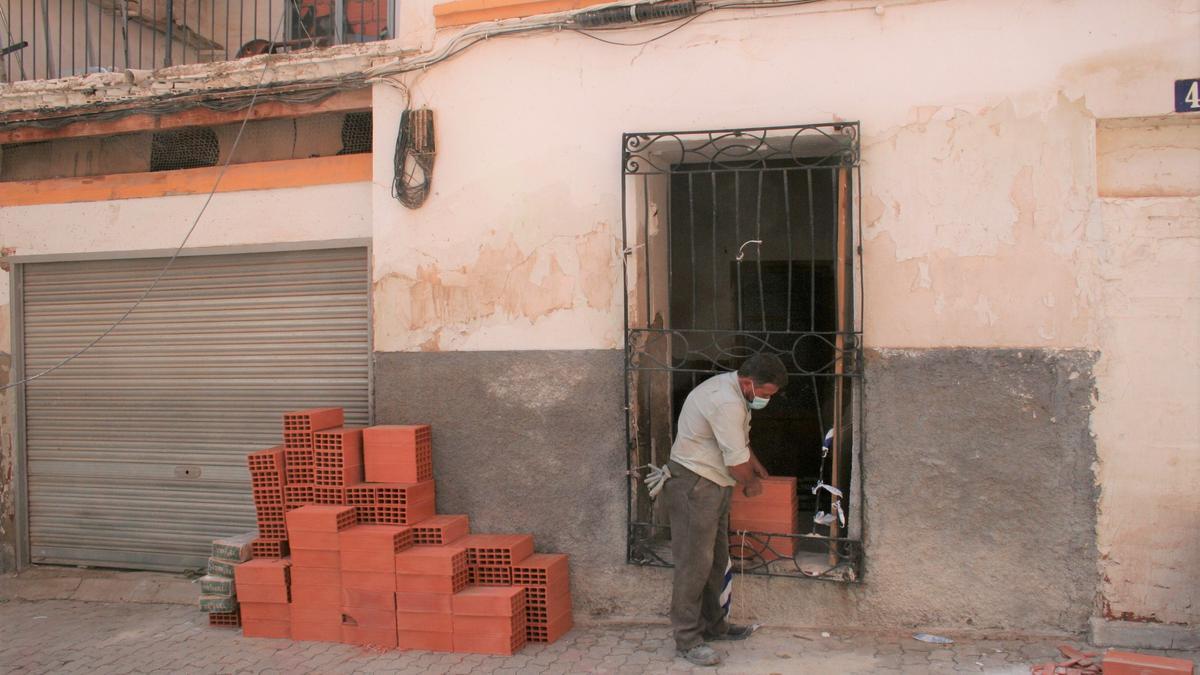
pixel 263 597
pixel 775 511
pixel 354 551
pixel 218 593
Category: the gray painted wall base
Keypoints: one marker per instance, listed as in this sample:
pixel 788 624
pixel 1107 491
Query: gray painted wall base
pixel 1134 635
pixel 978 489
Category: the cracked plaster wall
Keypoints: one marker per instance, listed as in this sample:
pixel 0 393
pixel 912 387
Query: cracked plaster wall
pixel 981 218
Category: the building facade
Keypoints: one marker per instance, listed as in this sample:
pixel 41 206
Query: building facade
pixel 1002 213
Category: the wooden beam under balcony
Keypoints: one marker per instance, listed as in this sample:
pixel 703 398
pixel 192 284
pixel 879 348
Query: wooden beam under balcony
pixel 345 101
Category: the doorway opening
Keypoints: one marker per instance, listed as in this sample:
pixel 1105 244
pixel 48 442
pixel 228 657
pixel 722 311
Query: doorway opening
pixel 741 242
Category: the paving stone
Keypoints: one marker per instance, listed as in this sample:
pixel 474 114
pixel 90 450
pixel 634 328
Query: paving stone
pixel 123 637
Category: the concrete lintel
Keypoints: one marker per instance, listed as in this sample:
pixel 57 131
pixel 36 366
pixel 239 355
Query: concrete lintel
pixel 1137 635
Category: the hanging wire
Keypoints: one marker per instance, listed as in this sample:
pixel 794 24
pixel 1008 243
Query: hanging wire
pixel 413 159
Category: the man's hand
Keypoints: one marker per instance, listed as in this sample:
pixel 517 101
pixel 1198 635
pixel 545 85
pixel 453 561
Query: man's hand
pixel 747 478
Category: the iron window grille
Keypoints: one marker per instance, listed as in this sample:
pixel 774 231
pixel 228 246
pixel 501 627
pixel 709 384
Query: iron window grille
pixel 712 277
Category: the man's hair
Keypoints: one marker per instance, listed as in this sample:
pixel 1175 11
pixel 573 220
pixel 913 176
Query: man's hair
pixel 764 369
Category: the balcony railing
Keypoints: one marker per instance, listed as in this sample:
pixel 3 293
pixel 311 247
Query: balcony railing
pixel 48 39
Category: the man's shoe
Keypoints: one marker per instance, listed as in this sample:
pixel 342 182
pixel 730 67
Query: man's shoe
pixel 735 632
pixel 701 655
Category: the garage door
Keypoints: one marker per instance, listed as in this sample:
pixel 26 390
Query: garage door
pixel 136 450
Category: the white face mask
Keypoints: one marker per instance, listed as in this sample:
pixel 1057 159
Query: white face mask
pixel 759 403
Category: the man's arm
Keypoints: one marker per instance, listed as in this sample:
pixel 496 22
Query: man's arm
pixel 744 473
pixel 759 469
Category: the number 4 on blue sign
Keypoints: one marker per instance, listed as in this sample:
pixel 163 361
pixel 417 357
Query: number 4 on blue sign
pixel 1187 95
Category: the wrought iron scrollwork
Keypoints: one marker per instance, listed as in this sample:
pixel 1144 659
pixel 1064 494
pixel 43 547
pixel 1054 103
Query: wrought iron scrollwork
pixel 808 146
pixel 761 553
pixel 709 351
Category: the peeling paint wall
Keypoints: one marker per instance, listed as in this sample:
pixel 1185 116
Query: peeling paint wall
pixel 1147 420
pixel 982 223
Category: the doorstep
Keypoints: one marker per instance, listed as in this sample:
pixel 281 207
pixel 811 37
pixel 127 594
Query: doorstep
pixel 97 585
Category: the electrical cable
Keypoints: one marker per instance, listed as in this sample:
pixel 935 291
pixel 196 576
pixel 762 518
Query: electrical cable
pixel 682 23
pixel 174 256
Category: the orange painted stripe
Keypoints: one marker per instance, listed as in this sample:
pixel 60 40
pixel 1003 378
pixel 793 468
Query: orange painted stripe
pixel 239 177
pixel 466 12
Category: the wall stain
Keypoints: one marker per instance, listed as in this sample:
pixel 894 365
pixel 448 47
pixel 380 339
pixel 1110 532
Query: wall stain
pixel 563 273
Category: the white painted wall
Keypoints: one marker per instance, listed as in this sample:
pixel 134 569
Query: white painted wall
pixel 981 216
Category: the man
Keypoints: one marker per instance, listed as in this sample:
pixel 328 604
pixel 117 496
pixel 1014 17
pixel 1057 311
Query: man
pixel 711 455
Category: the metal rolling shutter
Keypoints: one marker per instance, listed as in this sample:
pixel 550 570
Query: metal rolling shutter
pixel 136 450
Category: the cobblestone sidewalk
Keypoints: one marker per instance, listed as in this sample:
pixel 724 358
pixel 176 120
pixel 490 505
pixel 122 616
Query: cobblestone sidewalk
pixel 63 636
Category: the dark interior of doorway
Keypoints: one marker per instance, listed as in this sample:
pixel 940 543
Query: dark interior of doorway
pixel 780 297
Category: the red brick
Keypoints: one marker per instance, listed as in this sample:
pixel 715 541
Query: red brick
pixel 327 495
pixel 401 494
pixel 763 525
pixel 440 530
pixel 225 619
pixel 383 638
pixel 409 514
pixel 369 618
pixel 545 610
pixel 358 597
pixel 1131 663
pixel 337 448
pixel 437 622
pixel 549 632
pixel 298 458
pixel 317 631
pixel 306 595
pixel 431 560
pixel 786 511
pixel 490 601
pixel 326 541
pixel 269 548
pixel 398 453
pixel 338 477
pixel 776 489
pixel 315 576
pixel 320 518
pixel 369 581
pixel 497 549
pixel 490 575
pixel 262 571
pixel 268 465
pixel 298 495
pixel 489 625
pixel 387 538
pixel 429 641
pixel 262 593
pixel 431 583
pixel 369 561
pixel 427 603
pixel 299 425
pixel 502 645
pixel 266 611
pixel 317 614
pixel 264 628
pixel 316 557
pixel 550 570
pixel 272 530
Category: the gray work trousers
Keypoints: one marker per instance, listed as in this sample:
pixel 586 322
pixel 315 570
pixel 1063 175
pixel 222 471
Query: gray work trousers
pixel 699 512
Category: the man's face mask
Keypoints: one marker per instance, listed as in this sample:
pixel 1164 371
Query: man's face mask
pixel 759 403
